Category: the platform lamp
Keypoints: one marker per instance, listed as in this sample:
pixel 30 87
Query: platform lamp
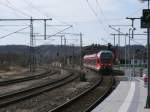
pixel 145 23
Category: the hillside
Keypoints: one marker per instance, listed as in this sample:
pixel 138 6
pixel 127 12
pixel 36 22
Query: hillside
pixel 19 54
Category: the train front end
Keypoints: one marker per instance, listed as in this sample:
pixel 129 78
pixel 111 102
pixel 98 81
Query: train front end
pixel 106 62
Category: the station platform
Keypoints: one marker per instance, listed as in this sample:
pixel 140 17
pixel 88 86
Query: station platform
pixel 129 96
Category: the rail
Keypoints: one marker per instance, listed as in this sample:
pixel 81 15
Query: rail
pixel 107 92
pixel 19 95
pixel 66 105
pixel 18 80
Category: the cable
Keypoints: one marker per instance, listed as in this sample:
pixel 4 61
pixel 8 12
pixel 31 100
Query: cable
pixel 23 33
pixel 102 12
pixel 35 8
pixel 31 5
pixel 139 9
pixel 60 31
pixel 99 20
pixel 105 40
pixel 136 41
pixel 141 39
pixel 12 25
pixel 14 32
pixel 15 9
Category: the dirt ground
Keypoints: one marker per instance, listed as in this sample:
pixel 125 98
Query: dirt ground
pixel 17 72
pixel 51 99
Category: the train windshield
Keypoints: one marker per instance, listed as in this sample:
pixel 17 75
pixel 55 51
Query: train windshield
pixel 106 57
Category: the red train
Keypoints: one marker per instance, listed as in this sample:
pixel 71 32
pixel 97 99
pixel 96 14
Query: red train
pixel 101 61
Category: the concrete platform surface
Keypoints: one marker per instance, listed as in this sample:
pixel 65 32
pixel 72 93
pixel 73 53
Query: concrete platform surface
pixel 129 96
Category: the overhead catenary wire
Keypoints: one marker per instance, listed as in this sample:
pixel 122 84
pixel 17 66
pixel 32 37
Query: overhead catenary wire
pixel 31 5
pixel 136 41
pixel 104 40
pixel 121 33
pixel 60 31
pixel 14 32
pixel 20 32
pixel 11 25
pixel 142 39
pixel 136 11
pixel 96 15
pixel 15 9
pixel 139 9
pixel 114 19
pixel 13 6
pixel 102 12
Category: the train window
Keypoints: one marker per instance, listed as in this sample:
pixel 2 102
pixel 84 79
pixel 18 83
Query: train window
pixel 90 61
pixel 106 55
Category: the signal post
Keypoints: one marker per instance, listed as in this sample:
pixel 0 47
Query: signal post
pixel 145 23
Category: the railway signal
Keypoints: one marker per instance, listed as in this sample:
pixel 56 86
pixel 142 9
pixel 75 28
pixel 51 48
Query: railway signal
pixel 145 19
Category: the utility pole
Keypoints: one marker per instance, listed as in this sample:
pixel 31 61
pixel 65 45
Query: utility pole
pixel 114 40
pixel 119 45
pixel 129 62
pixel 60 52
pixel 132 19
pixel 32 60
pixel 44 29
pixel 61 37
pixel 65 55
pixel 32 55
pixel 118 30
pixel 148 52
pixel 129 48
pixel 125 52
pixel 81 41
pixel 114 35
pixel 132 36
pixel 80 50
pixel 73 64
pixel 118 36
pixel 133 66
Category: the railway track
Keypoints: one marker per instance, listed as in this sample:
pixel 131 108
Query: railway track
pixel 22 94
pixel 89 99
pixel 28 78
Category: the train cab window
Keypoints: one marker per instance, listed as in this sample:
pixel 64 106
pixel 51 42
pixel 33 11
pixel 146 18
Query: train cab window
pixel 106 57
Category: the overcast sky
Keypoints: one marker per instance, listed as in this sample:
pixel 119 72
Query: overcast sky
pixel 90 17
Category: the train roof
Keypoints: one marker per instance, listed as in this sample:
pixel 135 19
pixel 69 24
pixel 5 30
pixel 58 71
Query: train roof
pixel 90 56
pixel 93 56
pixel 105 51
